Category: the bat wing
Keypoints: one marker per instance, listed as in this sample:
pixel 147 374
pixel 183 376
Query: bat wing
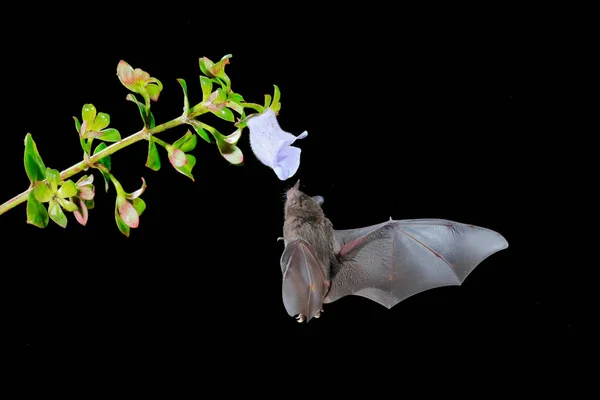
pixel 304 280
pixel 394 260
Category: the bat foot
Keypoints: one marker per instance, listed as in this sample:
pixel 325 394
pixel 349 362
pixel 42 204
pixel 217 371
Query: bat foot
pixel 318 314
pixel 300 318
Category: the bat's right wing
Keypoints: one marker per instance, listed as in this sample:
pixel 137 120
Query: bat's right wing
pixel 394 260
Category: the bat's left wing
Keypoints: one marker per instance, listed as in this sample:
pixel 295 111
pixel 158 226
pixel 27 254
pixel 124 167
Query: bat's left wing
pixel 304 280
pixel 394 260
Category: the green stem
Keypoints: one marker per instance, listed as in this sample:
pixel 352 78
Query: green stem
pixel 161 142
pixel 197 110
pixel 82 165
pixel 216 134
pixel 116 183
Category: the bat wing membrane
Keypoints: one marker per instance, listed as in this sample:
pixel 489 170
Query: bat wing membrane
pixel 394 260
pixel 304 281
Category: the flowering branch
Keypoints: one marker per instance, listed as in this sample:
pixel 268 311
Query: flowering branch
pixel 270 144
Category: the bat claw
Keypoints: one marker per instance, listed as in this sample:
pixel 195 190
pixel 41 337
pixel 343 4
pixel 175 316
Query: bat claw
pixel 300 318
pixel 318 314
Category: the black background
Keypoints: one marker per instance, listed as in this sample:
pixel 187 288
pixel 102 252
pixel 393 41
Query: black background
pixel 409 114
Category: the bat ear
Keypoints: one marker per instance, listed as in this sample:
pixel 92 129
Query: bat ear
pixel 297 184
pixel 304 282
pixel 319 200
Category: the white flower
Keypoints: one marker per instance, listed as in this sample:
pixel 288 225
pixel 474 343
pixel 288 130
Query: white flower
pixel 273 146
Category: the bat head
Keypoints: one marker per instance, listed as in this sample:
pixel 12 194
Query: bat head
pixel 299 204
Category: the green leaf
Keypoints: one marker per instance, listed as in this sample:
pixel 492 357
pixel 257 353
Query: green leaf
pixel 121 224
pixel 153 91
pixel 42 192
pixel 106 180
pixel 256 107
pixel 276 94
pixel 56 214
pixel 234 101
pixel 218 69
pixel 67 189
pixel 234 137
pixel 77 124
pixel 187 168
pixel 230 152
pixel 206 85
pixel 90 204
pixel 102 121
pixel 205 64
pixel 186 102
pixel 224 84
pixel 106 162
pixel 141 107
pixel 67 204
pixel 224 113
pixel 139 205
pixel 200 131
pixel 34 166
pixel 267 100
pixel 53 179
pixel 153 159
pixel 85 145
pixel 110 135
pixel 36 212
pixel 275 105
pixel 238 98
pixel 187 142
pixel 88 113
pixel 221 96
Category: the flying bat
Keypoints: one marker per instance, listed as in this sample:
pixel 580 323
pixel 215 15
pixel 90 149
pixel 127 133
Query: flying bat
pixel 387 262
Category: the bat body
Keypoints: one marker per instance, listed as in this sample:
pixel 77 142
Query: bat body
pixel 386 262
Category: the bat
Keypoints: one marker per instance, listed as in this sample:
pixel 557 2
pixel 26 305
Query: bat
pixel 387 262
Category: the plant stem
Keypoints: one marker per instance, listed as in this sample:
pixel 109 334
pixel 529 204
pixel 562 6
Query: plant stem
pixel 161 142
pixel 82 165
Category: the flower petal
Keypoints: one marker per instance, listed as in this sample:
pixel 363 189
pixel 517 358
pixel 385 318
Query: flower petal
pixel 288 161
pixel 177 157
pixel 128 213
pixel 101 121
pixel 272 145
pixel 81 214
pixel 87 192
pixel 67 189
pixel 88 113
pixel 125 74
pixel 85 180
pixel 56 214
pixel 42 192
pixel 138 192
